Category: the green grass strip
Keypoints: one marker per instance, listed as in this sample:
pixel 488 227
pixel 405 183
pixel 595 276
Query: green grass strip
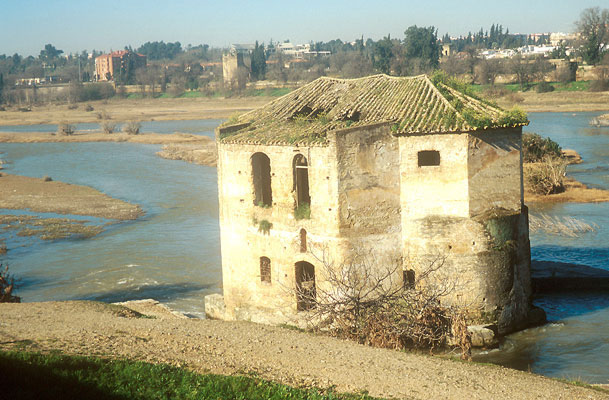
pixel 53 376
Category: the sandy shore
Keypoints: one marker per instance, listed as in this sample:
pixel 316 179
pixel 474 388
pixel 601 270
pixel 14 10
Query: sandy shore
pixel 274 353
pixel 559 101
pixel 120 110
pixel 36 194
pixel 575 192
pixel 81 137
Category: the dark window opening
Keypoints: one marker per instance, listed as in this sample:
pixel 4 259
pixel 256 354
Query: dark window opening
pixel 261 171
pixel 409 278
pixel 306 294
pixel 429 158
pixel 303 241
pixel 301 180
pixel 265 269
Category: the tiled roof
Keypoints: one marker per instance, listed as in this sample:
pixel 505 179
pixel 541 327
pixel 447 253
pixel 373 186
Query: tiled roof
pixel 412 105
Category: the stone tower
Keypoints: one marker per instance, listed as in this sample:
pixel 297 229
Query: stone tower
pixel 403 170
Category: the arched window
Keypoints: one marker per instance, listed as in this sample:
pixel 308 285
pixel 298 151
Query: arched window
pixel 301 180
pixel 261 174
pixel 303 241
pixel 306 293
pixel 265 269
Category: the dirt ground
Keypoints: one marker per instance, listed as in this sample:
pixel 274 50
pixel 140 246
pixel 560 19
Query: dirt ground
pixel 202 153
pixel 80 137
pixel 22 192
pixel 274 353
pixel 120 110
pixel 559 101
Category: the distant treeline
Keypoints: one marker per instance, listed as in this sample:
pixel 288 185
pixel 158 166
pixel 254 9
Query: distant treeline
pixel 174 69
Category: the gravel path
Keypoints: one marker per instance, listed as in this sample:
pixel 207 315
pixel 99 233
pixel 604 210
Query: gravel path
pixel 274 353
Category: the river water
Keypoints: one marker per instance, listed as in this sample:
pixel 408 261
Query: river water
pixel 173 253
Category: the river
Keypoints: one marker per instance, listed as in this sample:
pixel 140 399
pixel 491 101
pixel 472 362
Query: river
pixel 173 253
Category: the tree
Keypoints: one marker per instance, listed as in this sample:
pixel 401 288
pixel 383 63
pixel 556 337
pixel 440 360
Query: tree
pixel 258 62
pixel 160 50
pixel 382 54
pixel 422 43
pixel 593 25
pixel 49 52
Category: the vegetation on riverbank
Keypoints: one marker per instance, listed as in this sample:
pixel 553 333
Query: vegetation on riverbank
pixel 545 167
pixel 53 376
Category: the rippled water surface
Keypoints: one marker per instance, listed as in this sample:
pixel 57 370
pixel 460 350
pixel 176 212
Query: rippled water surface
pixel 172 254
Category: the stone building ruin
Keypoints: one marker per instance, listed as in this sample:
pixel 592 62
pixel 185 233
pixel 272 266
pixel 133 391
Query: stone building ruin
pixel 403 169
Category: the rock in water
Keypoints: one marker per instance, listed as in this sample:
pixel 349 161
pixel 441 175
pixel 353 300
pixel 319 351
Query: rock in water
pixel 601 120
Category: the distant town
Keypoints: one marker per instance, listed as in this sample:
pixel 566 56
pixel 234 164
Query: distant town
pixel 489 57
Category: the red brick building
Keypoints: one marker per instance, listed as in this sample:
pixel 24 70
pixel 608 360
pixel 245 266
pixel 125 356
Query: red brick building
pixel 108 65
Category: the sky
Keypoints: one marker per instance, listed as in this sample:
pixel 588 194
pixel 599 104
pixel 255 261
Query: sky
pixel 76 25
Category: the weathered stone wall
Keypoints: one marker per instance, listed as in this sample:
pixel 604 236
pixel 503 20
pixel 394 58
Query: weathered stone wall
pixel 235 69
pixel 241 239
pixel 434 190
pixel 495 171
pixel 479 238
pixel 370 198
pixel 369 194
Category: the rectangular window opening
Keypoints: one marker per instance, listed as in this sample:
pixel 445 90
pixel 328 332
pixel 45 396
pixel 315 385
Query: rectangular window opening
pixel 429 158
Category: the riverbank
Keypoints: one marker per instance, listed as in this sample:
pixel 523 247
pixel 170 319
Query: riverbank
pixel 557 101
pixel 47 196
pixel 274 353
pixel 121 110
pixel 575 192
pixel 83 137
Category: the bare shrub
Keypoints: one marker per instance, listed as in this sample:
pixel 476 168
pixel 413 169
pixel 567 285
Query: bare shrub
pixel 103 115
pixel 107 126
pixel 65 129
pixel 557 225
pixel 7 286
pixel 496 91
pixel 514 97
pixel 132 127
pixel 385 306
pixel 546 176
pixel 72 106
pixel 600 85
pixel 89 108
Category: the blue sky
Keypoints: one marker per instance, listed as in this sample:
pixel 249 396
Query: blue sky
pixel 71 25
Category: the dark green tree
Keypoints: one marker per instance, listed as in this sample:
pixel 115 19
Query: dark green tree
pixel 258 62
pixel 160 50
pixel 423 43
pixel 593 25
pixel 382 55
pixel 49 52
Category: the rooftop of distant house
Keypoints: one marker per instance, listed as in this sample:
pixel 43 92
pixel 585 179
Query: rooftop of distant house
pixel 412 105
pixel 120 53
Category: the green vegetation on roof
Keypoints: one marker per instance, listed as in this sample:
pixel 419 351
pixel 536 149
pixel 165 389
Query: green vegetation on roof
pixel 411 105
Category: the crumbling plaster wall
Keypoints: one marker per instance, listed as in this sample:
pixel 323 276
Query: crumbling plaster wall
pixel 243 243
pixel 495 171
pixel 369 193
pixel 479 236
